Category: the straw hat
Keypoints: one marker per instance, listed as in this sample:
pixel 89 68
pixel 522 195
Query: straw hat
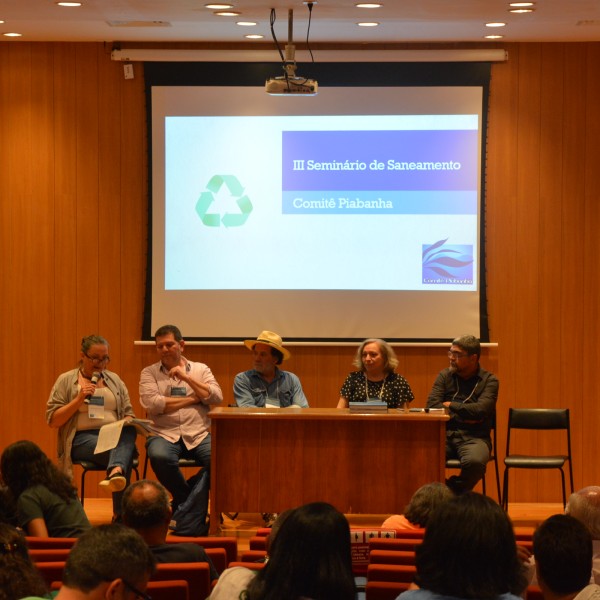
pixel 270 339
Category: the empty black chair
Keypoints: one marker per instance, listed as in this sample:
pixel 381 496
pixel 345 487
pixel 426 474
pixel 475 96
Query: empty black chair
pixel 454 463
pixel 536 419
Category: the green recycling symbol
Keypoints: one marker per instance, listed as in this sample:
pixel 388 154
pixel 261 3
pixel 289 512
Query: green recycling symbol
pixel 207 197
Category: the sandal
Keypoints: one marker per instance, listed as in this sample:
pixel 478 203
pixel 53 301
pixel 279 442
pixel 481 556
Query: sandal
pixel 114 483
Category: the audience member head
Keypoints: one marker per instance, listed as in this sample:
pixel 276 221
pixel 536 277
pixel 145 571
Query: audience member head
pixel 424 502
pixel 310 557
pixel 584 505
pixel 18 576
pixel 281 517
pixel 24 464
pixel 146 505
pixel 562 547
pixel 390 360
pixel 109 557
pixel 8 507
pixel 469 550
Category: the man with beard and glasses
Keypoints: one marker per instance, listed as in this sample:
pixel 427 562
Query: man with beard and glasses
pixel 469 395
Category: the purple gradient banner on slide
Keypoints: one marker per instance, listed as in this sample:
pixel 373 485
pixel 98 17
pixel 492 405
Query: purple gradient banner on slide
pixel 440 160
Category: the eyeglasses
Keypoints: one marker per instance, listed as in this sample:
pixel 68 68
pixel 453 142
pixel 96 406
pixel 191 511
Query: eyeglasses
pixel 134 590
pixel 98 359
pixel 454 354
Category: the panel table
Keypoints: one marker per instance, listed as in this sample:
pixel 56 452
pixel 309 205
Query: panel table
pixel 271 459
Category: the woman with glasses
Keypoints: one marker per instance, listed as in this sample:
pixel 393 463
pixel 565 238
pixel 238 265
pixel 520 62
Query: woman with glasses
pixel 81 402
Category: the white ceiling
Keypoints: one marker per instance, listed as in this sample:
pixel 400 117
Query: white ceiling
pixel 333 21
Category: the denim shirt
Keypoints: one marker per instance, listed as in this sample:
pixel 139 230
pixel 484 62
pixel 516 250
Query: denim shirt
pixel 250 389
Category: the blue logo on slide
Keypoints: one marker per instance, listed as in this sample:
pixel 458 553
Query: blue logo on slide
pixel 445 264
pixel 207 199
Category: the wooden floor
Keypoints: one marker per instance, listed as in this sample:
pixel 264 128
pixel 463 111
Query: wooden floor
pixel 244 526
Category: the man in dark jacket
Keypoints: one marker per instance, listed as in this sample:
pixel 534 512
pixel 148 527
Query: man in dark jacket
pixel 469 395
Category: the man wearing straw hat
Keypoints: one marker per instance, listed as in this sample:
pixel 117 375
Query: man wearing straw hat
pixel 266 384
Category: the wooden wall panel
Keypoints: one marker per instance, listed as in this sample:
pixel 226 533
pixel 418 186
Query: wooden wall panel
pixel 73 240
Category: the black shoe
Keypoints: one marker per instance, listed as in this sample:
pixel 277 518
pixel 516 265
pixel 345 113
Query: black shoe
pixel 455 484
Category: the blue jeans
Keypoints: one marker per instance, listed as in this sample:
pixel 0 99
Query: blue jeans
pixel 164 457
pixel 122 456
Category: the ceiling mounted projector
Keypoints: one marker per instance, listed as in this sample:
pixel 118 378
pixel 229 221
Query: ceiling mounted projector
pixel 289 84
pixel 285 85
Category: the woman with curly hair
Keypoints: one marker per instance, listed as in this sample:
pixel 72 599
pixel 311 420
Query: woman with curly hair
pixel 47 502
pixel 18 576
pixel 376 378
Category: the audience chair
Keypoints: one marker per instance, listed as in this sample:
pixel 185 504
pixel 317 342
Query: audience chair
pixel 399 573
pixel 407 545
pixel 196 574
pixel 253 556
pixel 229 544
pixel 536 419
pixel 218 557
pixel 49 542
pixel 176 589
pixel 258 542
pixel 49 554
pixel 392 557
pixel 88 465
pixel 253 566
pixel 454 463
pixel 51 571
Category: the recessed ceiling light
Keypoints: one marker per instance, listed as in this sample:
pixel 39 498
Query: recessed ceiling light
pixel 523 4
pixel 246 23
pixel 519 11
pixel 69 3
pixel 254 36
pixel 493 37
pixel 495 24
pixel 12 34
pixel 227 13
pixel 368 24
pixel 218 6
pixel 369 5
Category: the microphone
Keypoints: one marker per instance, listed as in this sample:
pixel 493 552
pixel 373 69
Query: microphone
pixel 95 377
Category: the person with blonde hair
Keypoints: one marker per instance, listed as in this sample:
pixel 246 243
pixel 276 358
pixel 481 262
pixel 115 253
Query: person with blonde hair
pixel 375 379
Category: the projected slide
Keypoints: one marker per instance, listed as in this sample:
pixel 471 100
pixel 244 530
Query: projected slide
pixel 312 187
pixel 351 214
